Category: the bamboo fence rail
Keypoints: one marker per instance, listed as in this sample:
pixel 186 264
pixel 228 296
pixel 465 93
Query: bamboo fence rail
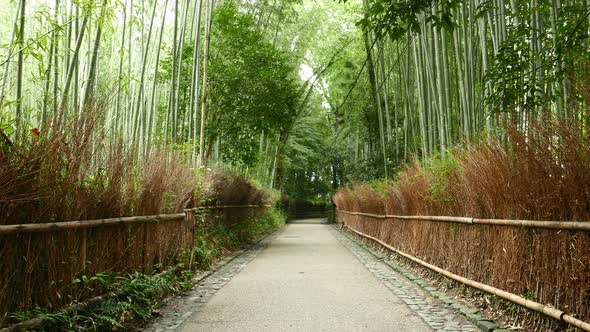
pixel 565 225
pixel 81 224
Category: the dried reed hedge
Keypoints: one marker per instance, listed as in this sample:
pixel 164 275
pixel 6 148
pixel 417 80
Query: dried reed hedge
pixel 226 189
pixel 70 173
pixel 542 176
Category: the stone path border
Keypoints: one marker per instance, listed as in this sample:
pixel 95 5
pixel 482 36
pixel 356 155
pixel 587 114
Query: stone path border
pixel 438 310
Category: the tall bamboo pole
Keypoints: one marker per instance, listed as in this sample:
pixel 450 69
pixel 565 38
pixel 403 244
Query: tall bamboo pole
pixel 10 51
pixel 120 72
pixel 94 60
pixel 194 105
pixel 140 93
pixel 20 66
pixel 208 10
pixel 155 83
pixel 74 61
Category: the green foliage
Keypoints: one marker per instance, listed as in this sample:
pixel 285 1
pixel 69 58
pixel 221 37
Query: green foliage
pixel 140 295
pixel 310 159
pixel 438 170
pixel 253 86
pixel 521 73
pixel 7 122
pixel 395 18
pixel 220 236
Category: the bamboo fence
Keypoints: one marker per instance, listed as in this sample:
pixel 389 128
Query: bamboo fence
pixel 545 261
pixel 42 261
pixel 531 305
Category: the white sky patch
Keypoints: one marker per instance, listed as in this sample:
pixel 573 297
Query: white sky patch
pixel 294 42
pixel 325 92
pixel 325 85
pixel 322 87
pixel 347 27
pixel 305 72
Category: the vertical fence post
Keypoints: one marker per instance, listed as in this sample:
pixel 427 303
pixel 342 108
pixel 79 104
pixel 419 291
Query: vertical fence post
pixel 144 248
pixel 190 220
pixel 28 272
pixel 83 250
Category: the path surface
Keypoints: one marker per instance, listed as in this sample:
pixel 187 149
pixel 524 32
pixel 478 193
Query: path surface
pixel 310 278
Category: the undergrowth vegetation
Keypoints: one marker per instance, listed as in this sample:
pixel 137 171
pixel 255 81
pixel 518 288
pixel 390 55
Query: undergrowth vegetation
pixel 222 233
pixel 135 296
pixel 225 188
pixel 68 173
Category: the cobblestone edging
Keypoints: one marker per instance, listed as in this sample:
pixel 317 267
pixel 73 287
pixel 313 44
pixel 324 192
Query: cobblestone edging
pixel 177 311
pixel 438 310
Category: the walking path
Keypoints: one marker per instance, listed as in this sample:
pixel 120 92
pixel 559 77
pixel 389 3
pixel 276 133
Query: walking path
pixel 309 277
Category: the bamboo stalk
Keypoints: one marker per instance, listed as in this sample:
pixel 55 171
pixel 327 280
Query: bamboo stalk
pixel 191 221
pixel 84 250
pixel 144 247
pixel 9 55
pixel 202 153
pixel 19 75
pixel 532 305
pixel 564 225
pixel 73 62
pixel 378 216
pixel 462 220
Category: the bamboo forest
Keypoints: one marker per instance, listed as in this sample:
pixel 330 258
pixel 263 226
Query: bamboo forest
pixel 365 165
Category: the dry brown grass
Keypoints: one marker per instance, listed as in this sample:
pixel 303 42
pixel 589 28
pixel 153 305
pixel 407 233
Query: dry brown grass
pixel 543 175
pixel 69 174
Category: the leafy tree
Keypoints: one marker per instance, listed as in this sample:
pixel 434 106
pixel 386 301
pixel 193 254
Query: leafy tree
pixel 252 87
